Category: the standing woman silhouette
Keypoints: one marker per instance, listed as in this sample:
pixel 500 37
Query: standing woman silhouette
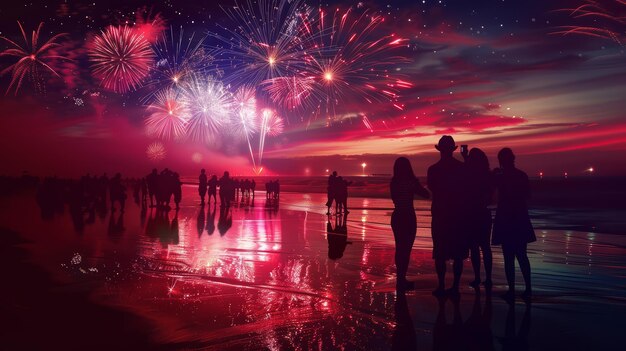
pixel 404 186
pixel 512 228
pixel 479 188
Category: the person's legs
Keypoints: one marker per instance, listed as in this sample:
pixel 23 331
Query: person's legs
pixel 524 265
pixel 475 257
pixel 440 268
pixel 488 261
pixel 457 268
pixel 509 269
pixel 404 236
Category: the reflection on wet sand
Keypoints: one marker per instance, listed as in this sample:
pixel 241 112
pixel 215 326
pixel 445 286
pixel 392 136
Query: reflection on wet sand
pixel 290 277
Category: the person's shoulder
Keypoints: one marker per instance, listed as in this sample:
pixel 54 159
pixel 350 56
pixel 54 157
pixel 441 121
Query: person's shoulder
pixel 435 166
pixel 458 163
pixel 521 174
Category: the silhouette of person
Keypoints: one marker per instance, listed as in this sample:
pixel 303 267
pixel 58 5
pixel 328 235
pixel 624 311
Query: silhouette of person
pixel 178 190
pixel 404 336
pixel 202 185
pixel 227 190
pixel 449 242
pixel 331 190
pixel 479 190
pixel 337 237
pixel 404 186
pixel 341 195
pixel 152 181
pixel 213 188
pixel 512 228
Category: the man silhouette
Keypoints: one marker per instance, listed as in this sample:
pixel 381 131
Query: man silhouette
pixel 445 181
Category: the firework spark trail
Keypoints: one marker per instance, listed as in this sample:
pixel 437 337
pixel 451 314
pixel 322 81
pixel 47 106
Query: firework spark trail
pixel 269 41
pixel 168 116
pixel 210 105
pixel 178 57
pixel 31 57
pixel 270 124
pixel 121 58
pixel 607 20
pixel 244 120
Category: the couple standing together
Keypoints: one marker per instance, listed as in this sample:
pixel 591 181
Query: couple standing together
pixel 461 221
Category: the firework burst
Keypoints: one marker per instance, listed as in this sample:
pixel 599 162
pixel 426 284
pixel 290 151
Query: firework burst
pixel 353 61
pixel 121 58
pixel 33 59
pixel 289 92
pixel 168 116
pixel 270 40
pixel 210 105
pixel 156 151
pixel 149 26
pixel 178 57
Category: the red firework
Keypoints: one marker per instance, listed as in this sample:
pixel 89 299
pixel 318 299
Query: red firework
pixel 168 116
pixel 150 26
pixel 121 58
pixel 32 58
pixel 604 19
pixel 289 92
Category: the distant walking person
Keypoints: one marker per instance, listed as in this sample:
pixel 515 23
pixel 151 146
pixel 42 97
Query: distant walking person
pixel 202 185
pixel 227 190
pixel 341 195
pixel 332 180
pixel 177 190
pixel 479 190
pixel 445 182
pixel 512 228
pixel 213 188
pixel 404 186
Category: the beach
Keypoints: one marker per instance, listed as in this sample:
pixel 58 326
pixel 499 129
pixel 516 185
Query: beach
pixel 260 277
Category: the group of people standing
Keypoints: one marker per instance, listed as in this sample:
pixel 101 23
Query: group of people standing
pixel 160 187
pixel 461 220
pixel 230 188
pixel 337 192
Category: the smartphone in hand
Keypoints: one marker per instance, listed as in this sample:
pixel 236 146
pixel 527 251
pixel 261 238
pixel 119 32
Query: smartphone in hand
pixel 464 150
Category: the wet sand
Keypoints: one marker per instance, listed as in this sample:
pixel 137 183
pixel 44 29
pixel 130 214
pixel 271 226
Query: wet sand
pixel 265 282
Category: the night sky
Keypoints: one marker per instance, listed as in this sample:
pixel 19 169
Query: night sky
pixel 490 73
